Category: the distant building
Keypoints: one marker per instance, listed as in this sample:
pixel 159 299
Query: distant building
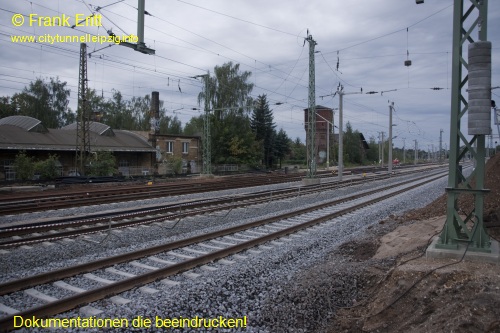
pixel 186 147
pixel 324 131
pixel 134 154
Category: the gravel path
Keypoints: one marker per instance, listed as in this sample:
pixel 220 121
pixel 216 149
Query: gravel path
pixel 244 288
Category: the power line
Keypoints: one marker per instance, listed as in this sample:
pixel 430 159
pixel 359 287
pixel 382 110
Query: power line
pixel 239 19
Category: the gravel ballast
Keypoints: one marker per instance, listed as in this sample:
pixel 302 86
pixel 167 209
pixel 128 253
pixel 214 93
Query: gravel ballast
pixel 253 286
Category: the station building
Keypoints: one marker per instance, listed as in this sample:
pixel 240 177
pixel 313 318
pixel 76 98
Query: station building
pixel 133 152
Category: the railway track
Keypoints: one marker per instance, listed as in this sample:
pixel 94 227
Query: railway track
pixel 166 260
pixel 60 228
pixel 33 202
pixel 26 202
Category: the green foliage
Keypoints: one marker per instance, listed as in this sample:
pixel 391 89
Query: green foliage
pixel 174 163
pixel 298 152
pixel 194 126
pixel 24 166
pixel 264 129
pixel 169 125
pixel 6 107
pixel 46 101
pixel 372 153
pixel 228 94
pixel 47 169
pixel 281 145
pixel 352 146
pixel 102 163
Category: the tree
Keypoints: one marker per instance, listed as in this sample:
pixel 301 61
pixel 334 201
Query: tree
pixel 281 145
pixel 117 115
pixel 228 95
pixel 6 108
pixel 194 126
pixel 372 153
pixel 45 101
pixel 298 152
pixel 352 146
pixel 169 125
pixel 264 129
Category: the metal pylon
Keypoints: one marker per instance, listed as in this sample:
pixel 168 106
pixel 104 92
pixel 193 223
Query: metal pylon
pixel 207 152
pixel 83 115
pixel 311 117
pixel 468 229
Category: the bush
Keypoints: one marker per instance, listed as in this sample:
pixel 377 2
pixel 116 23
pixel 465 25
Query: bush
pixel 102 164
pixel 24 166
pixel 174 163
pixel 47 169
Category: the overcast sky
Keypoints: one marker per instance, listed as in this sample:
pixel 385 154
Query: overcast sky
pixel 367 39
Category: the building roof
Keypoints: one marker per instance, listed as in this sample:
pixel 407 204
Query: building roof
pixel 18 136
pixel 98 128
pixel 28 124
pixel 320 107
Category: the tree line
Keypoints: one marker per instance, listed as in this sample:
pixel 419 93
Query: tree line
pixel 242 130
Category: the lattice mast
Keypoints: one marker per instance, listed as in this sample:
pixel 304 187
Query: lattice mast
pixel 83 115
pixel 311 117
pixel 461 225
pixel 207 146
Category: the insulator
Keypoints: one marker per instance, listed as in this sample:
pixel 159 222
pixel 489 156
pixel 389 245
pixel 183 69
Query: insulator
pixel 479 122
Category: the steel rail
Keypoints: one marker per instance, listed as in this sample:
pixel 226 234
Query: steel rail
pixel 197 207
pixel 71 302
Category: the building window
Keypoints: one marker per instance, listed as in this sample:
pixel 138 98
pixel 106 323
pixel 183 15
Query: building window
pixel 185 147
pixel 123 164
pixel 169 147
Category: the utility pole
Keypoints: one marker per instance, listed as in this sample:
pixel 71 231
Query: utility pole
pixel 207 145
pixel 441 146
pixel 383 144
pixel 311 119
pixel 206 140
pixel 140 46
pixel 155 128
pixel 476 72
pixel 404 150
pixel 416 152
pixel 83 115
pixel 379 148
pixel 391 106
pixel 341 129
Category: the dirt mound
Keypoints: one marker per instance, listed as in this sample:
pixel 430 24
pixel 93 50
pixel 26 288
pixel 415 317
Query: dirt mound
pixel 466 202
pixel 420 295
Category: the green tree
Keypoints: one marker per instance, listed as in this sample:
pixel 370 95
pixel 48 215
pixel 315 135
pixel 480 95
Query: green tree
pixel 6 108
pixel 117 115
pixel 372 153
pixel 45 101
pixel 140 108
pixel 228 95
pixel 352 146
pixel 194 126
pixel 281 145
pixel 263 127
pixel 24 166
pixel 298 152
pixel 169 125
